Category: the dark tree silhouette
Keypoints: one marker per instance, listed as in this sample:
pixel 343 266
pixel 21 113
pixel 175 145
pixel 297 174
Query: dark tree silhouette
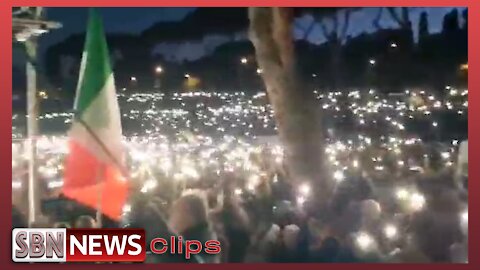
pixel 334 23
pixel 401 16
pixel 450 23
pixel 199 23
pixel 434 61
pixel 465 19
pixel 423 27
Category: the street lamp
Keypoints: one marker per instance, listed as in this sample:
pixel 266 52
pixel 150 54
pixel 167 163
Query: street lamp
pixel 372 61
pixel 27 25
pixel 259 71
pixel 187 75
pixel 393 45
pixel 158 71
pixel 133 79
pixel 244 60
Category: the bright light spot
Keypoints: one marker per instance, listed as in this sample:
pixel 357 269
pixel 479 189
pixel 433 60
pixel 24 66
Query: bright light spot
pixel 445 155
pixel 417 201
pixel 301 200
pixel 133 79
pixel 338 175
pixel 259 71
pixel 148 185
pixel 372 62
pixel 126 208
pixel 435 124
pixel 393 45
pixel 243 60
pixel 390 231
pixel 238 191
pixel 55 184
pixel 401 193
pixel 464 221
pixel 16 184
pixel 364 241
pixel 304 189
pixel 355 163
pixel 465 216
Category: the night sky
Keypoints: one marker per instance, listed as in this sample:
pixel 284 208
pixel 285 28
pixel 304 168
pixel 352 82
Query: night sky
pixel 135 20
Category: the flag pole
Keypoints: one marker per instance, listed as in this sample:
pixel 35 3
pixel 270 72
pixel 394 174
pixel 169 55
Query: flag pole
pixel 25 30
pixel 32 131
pixel 100 175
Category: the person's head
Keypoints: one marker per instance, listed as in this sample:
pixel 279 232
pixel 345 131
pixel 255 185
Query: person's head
pixel 188 211
pixel 330 247
pixel 41 222
pixel 291 237
pixel 85 222
pixel 427 226
pixel 18 219
pixel 61 225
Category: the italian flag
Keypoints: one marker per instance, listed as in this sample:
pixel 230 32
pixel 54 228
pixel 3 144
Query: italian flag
pixel 93 169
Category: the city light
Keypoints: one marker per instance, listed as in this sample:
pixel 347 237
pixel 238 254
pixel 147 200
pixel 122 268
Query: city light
pixel 364 241
pixel 390 231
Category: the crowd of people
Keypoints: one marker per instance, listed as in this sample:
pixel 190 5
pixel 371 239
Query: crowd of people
pixel 398 194
pixel 269 226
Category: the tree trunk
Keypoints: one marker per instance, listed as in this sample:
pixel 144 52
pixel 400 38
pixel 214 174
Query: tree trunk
pixel 296 114
pixel 336 54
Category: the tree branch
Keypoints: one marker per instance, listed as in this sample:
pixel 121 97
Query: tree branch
pixel 346 23
pixel 378 17
pixel 405 16
pixel 324 29
pixel 309 30
pixel 394 15
pixel 297 25
pixel 335 26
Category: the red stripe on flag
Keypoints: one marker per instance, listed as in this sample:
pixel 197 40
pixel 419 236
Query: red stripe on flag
pixel 85 175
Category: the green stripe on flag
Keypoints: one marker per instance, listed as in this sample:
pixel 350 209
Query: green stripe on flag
pixel 97 66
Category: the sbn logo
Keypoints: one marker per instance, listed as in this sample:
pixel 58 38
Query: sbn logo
pixel 78 245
